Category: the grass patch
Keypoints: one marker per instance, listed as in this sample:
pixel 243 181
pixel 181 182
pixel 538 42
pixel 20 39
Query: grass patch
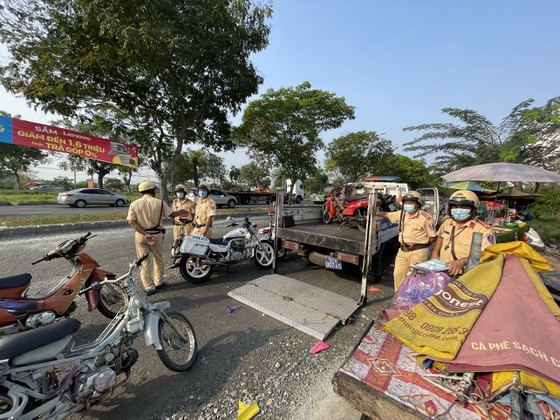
pixel 54 220
pixel 548 229
pixel 81 218
pixel 16 197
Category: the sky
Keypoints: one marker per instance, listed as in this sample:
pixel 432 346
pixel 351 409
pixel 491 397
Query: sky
pixel 400 62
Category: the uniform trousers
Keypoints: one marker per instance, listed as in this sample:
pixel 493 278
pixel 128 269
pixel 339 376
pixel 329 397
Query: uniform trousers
pixel 179 230
pixel 404 260
pixel 197 231
pixel 153 268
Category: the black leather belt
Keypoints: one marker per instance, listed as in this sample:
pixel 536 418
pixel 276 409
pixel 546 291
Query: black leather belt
pixel 196 225
pixel 413 247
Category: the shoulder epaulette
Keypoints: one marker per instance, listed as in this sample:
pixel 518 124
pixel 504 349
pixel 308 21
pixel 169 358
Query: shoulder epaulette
pixel 426 215
pixel 483 223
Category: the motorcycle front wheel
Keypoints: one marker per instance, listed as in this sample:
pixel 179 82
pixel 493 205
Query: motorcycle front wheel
pixel 111 299
pixel 177 353
pixel 264 255
pixel 193 272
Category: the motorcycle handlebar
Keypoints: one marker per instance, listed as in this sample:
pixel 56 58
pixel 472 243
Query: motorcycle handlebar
pixel 135 263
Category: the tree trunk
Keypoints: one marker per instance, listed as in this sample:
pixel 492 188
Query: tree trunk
pixel 18 179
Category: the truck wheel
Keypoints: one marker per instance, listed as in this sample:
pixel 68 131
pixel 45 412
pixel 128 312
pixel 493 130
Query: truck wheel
pixel 245 200
pixel 299 199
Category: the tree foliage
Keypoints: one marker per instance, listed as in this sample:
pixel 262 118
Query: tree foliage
pixel 284 127
pixel 254 175
pixel 168 72
pixel 197 164
pixel 356 155
pixel 526 135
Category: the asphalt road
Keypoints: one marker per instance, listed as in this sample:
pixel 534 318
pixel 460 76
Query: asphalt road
pixel 244 355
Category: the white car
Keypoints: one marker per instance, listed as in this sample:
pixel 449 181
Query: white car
pixel 82 197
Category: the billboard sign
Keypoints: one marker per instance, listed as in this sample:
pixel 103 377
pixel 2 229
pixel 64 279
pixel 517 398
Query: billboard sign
pixel 56 139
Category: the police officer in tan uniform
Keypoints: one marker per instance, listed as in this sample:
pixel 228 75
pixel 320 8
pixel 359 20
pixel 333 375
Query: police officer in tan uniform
pixel 205 211
pixel 453 245
pixel 145 216
pixel 182 225
pixel 416 233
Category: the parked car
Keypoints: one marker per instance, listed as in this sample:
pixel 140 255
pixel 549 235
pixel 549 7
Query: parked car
pixel 45 187
pixel 82 197
pixel 219 197
pixel 222 199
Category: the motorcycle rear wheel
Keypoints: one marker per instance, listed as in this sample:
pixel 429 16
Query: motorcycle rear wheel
pixel 195 274
pixel 177 354
pixel 111 299
pixel 325 214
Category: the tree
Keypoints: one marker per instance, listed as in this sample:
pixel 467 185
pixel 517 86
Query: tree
pixel 169 72
pixel 285 125
pixel 234 173
pixel 317 183
pixel 16 160
pixel 197 164
pixel 521 137
pixel 254 175
pixel 413 172
pixel 356 155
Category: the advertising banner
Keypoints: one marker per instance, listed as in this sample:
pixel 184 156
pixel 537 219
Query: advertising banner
pixel 48 137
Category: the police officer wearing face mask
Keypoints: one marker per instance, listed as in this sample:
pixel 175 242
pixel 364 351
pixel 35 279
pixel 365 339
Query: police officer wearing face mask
pixel 453 244
pixel 205 211
pixel 416 233
pixel 182 226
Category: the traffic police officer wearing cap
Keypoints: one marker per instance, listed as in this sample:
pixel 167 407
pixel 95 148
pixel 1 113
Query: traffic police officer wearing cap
pixel 205 211
pixel 416 233
pixel 453 245
pixel 145 216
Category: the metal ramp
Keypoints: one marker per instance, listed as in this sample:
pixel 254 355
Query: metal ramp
pixel 310 309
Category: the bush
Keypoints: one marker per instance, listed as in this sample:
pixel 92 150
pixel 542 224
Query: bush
pixel 547 207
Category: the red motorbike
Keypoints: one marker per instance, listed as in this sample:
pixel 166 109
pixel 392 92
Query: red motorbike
pixel 355 213
pixel 19 312
pixel 337 202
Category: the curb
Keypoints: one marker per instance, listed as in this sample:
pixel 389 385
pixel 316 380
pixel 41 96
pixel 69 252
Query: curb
pixel 27 231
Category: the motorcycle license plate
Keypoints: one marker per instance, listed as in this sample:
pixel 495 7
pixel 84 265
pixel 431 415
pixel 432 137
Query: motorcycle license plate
pixel 333 263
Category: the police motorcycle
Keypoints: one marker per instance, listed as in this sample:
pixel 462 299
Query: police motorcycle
pixel 199 256
pixel 41 376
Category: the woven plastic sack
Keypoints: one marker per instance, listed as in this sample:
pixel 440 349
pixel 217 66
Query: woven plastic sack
pixel 417 287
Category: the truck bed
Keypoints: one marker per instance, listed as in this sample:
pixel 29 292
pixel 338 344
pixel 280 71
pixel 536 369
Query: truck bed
pixel 331 236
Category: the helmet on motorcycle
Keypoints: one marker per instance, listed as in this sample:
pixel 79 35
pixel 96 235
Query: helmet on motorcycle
pixel 180 187
pixel 464 198
pixel 413 196
pixel 146 186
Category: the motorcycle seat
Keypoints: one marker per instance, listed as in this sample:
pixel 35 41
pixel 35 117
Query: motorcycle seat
pixel 218 241
pixel 17 344
pixel 18 307
pixel 355 198
pixel 15 281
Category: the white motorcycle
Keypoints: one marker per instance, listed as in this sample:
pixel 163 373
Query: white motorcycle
pixel 199 255
pixel 41 378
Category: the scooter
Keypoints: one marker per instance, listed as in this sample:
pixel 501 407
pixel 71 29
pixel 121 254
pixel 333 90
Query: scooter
pixel 41 376
pixel 18 312
pixel 199 255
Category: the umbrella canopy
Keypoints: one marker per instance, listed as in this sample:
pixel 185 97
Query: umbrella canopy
pixel 501 172
pixel 466 185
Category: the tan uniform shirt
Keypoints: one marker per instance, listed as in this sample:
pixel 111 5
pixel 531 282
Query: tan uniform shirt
pixel 416 228
pixel 461 238
pixel 186 204
pixel 148 211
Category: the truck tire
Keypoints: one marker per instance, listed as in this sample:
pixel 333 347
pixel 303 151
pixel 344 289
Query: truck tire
pixel 299 199
pixel 245 200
